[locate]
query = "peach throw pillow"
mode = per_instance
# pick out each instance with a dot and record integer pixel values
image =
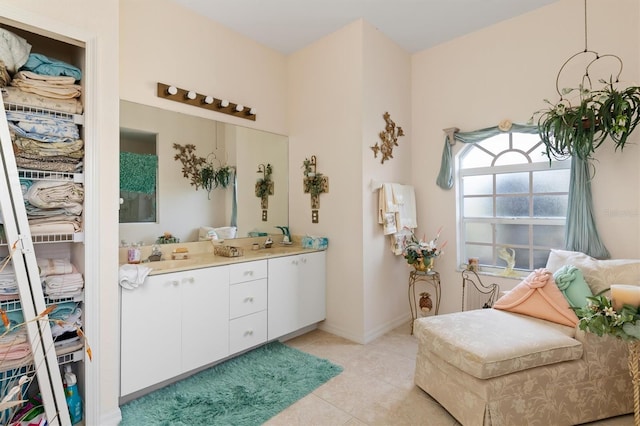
(538, 296)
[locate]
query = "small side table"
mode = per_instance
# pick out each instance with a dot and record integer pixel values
(429, 277)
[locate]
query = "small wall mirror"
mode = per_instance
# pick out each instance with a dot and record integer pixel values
(138, 206)
(179, 208)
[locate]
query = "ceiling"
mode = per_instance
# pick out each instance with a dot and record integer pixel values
(415, 25)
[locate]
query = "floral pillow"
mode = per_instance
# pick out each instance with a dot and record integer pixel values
(599, 274)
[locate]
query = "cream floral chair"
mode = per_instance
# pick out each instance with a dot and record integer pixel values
(494, 367)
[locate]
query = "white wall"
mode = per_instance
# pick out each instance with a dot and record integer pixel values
(325, 115)
(505, 71)
(161, 41)
(386, 83)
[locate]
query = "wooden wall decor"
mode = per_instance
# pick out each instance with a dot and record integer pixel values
(389, 139)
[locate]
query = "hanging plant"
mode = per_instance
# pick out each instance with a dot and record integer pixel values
(199, 171)
(620, 112)
(208, 177)
(568, 130)
(223, 176)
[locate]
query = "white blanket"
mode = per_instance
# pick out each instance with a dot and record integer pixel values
(14, 50)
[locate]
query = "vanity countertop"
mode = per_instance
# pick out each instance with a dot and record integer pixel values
(201, 255)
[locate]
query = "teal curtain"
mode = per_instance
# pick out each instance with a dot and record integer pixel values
(581, 233)
(234, 201)
(138, 172)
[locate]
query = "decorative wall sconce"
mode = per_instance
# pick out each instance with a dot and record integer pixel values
(389, 138)
(315, 184)
(190, 97)
(264, 188)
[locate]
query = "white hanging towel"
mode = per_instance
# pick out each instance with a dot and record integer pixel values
(405, 198)
(387, 209)
(397, 213)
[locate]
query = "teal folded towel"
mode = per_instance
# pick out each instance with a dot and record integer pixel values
(43, 65)
(573, 286)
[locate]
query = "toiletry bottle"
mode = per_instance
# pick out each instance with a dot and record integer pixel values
(133, 254)
(74, 402)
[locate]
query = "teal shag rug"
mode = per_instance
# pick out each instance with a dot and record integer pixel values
(246, 390)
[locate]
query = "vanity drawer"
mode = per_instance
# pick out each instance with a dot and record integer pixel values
(248, 331)
(247, 271)
(247, 298)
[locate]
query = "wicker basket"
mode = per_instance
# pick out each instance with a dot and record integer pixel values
(228, 251)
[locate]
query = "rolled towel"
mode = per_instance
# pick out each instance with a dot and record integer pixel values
(131, 276)
(573, 286)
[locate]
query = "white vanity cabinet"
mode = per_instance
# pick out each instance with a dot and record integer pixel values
(177, 322)
(247, 305)
(297, 295)
(171, 324)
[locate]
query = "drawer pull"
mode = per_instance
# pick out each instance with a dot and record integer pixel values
(248, 333)
(248, 299)
(174, 282)
(188, 280)
(250, 273)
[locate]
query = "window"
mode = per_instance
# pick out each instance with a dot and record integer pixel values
(509, 196)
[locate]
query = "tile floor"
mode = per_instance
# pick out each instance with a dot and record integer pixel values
(375, 388)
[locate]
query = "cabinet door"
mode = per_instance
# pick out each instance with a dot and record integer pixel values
(205, 316)
(282, 296)
(150, 333)
(296, 292)
(311, 288)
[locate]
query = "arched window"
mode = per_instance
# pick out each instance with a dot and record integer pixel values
(509, 196)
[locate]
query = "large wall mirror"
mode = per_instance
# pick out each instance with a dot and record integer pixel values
(177, 207)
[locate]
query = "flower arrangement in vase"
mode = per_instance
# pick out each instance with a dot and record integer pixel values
(421, 253)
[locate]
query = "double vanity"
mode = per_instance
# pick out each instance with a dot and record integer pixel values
(191, 313)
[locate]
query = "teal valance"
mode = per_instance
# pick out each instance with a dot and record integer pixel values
(445, 177)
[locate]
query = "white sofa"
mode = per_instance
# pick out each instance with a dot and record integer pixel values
(493, 367)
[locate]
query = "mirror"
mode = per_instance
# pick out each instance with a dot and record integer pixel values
(181, 209)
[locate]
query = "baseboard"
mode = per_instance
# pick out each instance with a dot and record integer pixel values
(370, 335)
(337, 331)
(112, 418)
(382, 329)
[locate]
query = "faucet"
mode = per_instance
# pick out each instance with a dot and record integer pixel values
(285, 232)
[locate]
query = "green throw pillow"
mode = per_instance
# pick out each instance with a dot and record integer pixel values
(573, 286)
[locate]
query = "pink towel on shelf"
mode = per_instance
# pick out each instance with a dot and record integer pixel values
(538, 296)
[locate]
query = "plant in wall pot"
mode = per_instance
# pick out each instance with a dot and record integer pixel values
(264, 185)
(313, 183)
(568, 130)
